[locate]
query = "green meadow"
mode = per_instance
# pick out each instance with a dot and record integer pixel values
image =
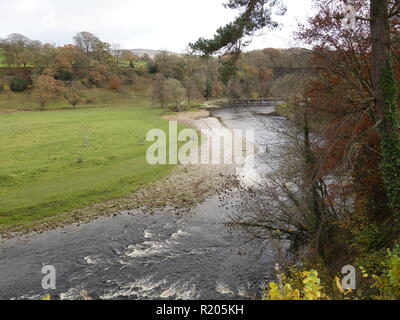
(59, 160)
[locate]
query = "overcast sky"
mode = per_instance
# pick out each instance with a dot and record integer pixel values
(149, 24)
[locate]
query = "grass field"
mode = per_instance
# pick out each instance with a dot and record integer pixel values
(138, 64)
(46, 169)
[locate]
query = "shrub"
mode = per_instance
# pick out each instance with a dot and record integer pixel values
(18, 84)
(7, 90)
(91, 100)
(116, 83)
(152, 68)
(303, 285)
(387, 283)
(63, 75)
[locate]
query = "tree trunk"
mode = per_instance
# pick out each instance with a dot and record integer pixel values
(380, 54)
(314, 220)
(385, 95)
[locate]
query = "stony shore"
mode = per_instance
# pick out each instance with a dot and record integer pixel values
(185, 187)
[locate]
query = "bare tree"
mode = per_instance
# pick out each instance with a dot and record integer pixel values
(116, 52)
(86, 41)
(73, 93)
(193, 92)
(159, 92)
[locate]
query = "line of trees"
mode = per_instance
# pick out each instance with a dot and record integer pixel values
(64, 71)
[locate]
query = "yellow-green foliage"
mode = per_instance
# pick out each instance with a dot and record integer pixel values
(285, 110)
(289, 288)
(388, 284)
(307, 285)
(46, 297)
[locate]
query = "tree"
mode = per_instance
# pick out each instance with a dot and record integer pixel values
(230, 39)
(69, 58)
(345, 105)
(73, 92)
(175, 93)
(116, 52)
(102, 53)
(385, 95)
(234, 88)
(128, 56)
(16, 50)
(42, 55)
(145, 58)
(193, 92)
(168, 92)
(99, 74)
(159, 91)
(86, 41)
(46, 88)
(289, 88)
(169, 65)
(255, 15)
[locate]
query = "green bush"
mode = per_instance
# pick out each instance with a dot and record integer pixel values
(63, 75)
(152, 68)
(18, 84)
(388, 282)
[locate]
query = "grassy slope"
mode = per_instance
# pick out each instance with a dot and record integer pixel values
(1, 58)
(45, 169)
(138, 64)
(100, 98)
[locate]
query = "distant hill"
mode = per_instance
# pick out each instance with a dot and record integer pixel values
(151, 53)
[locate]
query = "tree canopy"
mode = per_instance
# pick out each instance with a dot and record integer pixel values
(254, 15)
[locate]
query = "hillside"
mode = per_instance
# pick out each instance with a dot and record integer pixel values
(150, 52)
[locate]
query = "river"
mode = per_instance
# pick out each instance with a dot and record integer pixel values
(137, 255)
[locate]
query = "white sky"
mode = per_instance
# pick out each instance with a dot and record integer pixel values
(149, 24)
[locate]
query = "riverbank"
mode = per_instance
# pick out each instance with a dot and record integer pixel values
(184, 187)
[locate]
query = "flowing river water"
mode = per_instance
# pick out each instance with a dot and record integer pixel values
(137, 255)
